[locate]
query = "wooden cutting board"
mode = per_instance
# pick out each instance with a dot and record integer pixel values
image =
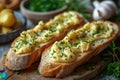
(84, 72)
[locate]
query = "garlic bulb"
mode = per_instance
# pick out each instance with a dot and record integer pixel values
(104, 10)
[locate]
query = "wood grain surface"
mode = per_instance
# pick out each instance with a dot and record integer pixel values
(84, 72)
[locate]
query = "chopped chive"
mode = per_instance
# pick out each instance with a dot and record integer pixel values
(30, 44)
(23, 34)
(46, 35)
(70, 15)
(37, 46)
(54, 57)
(23, 41)
(61, 47)
(64, 54)
(14, 50)
(70, 50)
(83, 40)
(75, 44)
(62, 42)
(108, 29)
(36, 33)
(17, 46)
(53, 51)
(66, 59)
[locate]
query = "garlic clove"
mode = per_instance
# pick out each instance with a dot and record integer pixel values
(113, 5)
(100, 13)
(96, 4)
(112, 8)
(96, 14)
(108, 8)
(104, 10)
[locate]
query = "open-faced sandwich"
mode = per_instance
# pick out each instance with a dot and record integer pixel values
(77, 47)
(27, 48)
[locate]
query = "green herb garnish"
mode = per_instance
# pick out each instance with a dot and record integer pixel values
(37, 46)
(53, 51)
(14, 50)
(64, 55)
(62, 42)
(36, 33)
(83, 40)
(24, 41)
(61, 47)
(75, 44)
(54, 57)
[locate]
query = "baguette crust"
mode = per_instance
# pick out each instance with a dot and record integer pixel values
(23, 61)
(47, 67)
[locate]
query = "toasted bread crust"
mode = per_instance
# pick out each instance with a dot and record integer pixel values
(23, 61)
(59, 70)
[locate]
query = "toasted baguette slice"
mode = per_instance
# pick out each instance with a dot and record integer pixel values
(59, 67)
(19, 58)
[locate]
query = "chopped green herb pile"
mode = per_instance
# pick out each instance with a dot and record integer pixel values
(45, 5)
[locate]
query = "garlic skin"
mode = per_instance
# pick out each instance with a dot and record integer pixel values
(104, 10)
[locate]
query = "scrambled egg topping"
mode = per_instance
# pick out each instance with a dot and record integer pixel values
(31, 39)
(80, 41)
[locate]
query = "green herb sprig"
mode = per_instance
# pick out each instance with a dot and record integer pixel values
(114, 67)
(114, 48)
